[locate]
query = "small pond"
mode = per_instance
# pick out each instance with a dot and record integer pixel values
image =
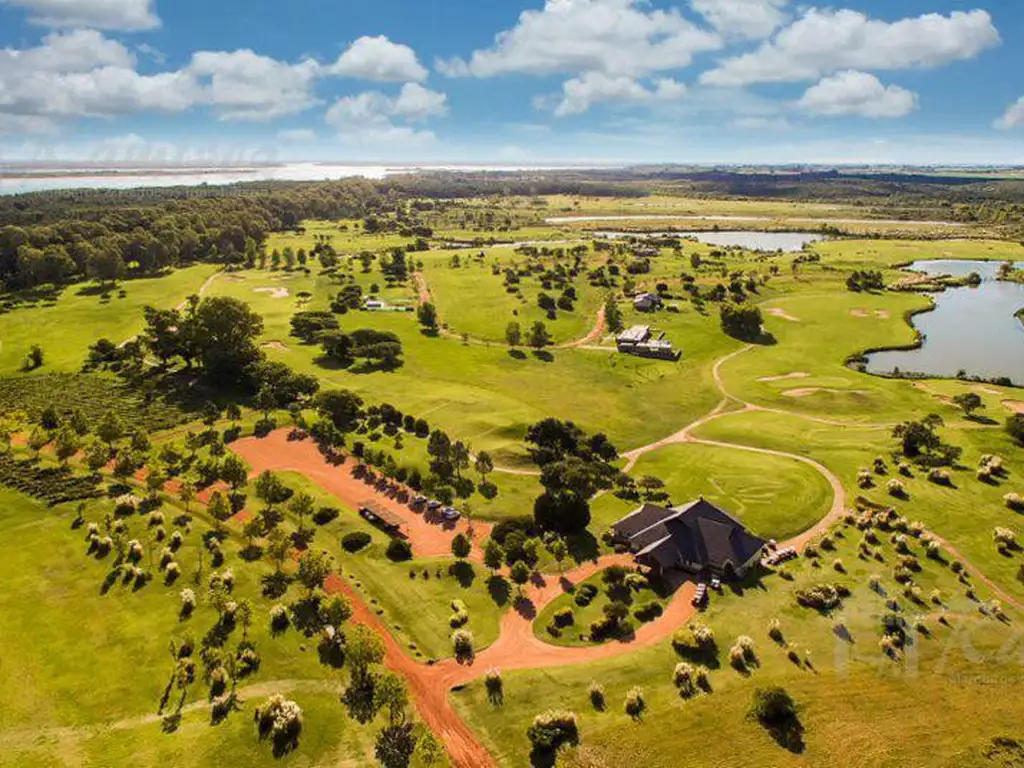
(971, 329)
(755, 241)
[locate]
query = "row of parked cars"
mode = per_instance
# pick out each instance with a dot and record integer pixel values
(779, 556)
(421, 503)
(700, 597)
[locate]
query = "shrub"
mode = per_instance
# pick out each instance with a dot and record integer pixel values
(279, 618)
(279, 720)
(563, 617)
(1005, 536)
(635, 706)
(649, 611)
(551, 730)
(462, 644)
(684, 678)
(774, 709)
(940, 477)
(896, 488)
(775, 630)
(494, 684)
(355, 541)
(228, 579)
(325, 515)
(865, 480)
(171, 572)
(821, 597)
(188, 602)
(399, 550)
(460, 617)
(176, 541)
(1014, 501)
(597, 698)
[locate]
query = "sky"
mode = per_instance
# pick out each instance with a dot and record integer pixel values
(513, 81)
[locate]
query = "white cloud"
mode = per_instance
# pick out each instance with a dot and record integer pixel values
(764, 124)
(1013, 117)
(125, 15)
(369, 118)
(380, 60)
(243, 85)
(620, 38)
(858, 93)
(751, 19)
(297, 135)
(580, 93)
(25, 124)
(824, 41)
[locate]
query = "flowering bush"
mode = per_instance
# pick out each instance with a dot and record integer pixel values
(279, 720)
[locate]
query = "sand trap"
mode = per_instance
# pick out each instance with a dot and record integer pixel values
(786, 376)
(233, 278)
(859, 313)
(882, 314)
(275, 293)
(778, 312)
(987, 391)
(277, 346)
(808, 391)
(1016, 406)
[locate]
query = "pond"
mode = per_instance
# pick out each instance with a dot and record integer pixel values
(752, 240)
(971, 329)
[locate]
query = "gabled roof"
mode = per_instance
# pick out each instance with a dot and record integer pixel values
(698, 532)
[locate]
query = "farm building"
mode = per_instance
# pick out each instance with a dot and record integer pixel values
(697, 537)
(640, 341)
(646, 302)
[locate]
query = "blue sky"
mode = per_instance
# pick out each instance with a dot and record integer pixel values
(516, 81)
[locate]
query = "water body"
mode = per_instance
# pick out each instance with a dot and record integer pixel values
(16, 180)
(971, 329)
(755, 241)
(744, 219)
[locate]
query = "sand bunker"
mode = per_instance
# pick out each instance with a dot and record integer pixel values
(987, 391)
(275, 293)
(1016, 406)
(277, 346)
(882, 314)
(859, 313)
(778, 312)
(785, 376)
(233, 278)
(808, 391)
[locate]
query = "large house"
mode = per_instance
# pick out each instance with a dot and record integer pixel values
(697, 537)
(639, 340)
(646, 301)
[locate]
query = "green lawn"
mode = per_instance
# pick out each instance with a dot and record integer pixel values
(65, 328)
(776, 497)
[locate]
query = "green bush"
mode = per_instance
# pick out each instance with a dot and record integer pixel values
(355, 541)
(399, 551)
(551, 730)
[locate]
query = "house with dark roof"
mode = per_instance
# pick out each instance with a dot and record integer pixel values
(697, 537)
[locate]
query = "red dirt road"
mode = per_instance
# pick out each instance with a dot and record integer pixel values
(279, 454)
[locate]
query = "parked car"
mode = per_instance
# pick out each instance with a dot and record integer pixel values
(451, 514)
(700, 596)
(419, 500)
(434, 505)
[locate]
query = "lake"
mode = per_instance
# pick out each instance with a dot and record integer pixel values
(971, 329)
(752, 240)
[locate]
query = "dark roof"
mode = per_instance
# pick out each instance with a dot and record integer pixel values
(698, 532)
(389, 518)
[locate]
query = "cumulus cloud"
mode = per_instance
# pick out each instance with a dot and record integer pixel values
(380, 60)
(858, 93)
(124, 15)
(620, 38)
(243, 85)
(372, 117)
(751, 19)
(580, 93)
(1013, 117)
(824, 41)
(774, 124)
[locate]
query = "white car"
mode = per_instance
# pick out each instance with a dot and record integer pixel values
(451, 514)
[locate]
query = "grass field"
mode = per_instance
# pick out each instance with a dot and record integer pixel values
(776, 498)
(79, 317)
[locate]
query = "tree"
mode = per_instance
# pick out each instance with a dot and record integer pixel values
(66, 444)
(564, 512)
(494, 555)
(539, 337)
(219, 509)
(105, 265)
(111, 428)
(269, 488)
(969, 402)
(79, 422)
(302, 506)
(187, 493)
(427, 315)
(777, 712)
(337, 611)
(252, 530)
(559, 550)
(612, 314)
(278, 548)
(395, 745)
(484, 465)
(520, 575)
(513, 334)
(97, 454)
(224, 331)
(363, 647)
(342, 407)
(1015, 427)
(265, 402)
(461, 546)
(155, 480)
(314, 568)
(234, 472)
(742, 322)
